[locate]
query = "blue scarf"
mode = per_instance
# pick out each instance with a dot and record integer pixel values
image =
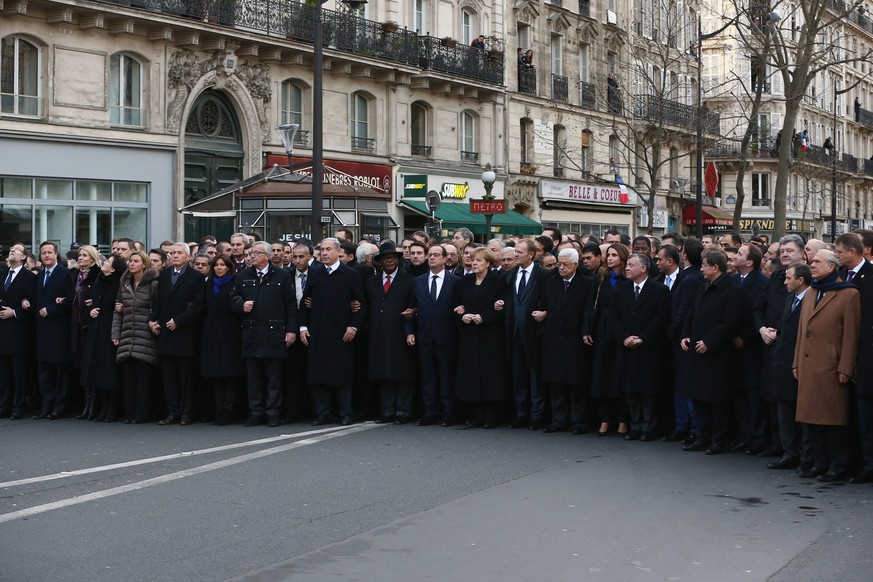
(614, 278)
(830, 283)
(219, 282)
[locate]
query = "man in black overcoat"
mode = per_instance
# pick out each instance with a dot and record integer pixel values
(16, 332)
(559, 312)
(175, 319)
(54, 299)
(392, 361)
(329, 328)
(524, 282)
(708, 336)
(750, 411)
(796, 447)
(295, 394)
(639, 314)
(264, 295)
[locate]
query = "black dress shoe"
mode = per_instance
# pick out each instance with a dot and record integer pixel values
(167, 421)
(677, 436)
(401, 420)
(862, 477)
(812, 473)
(320, 421)
(273, 421)
(447, 422)
(785, 463)
(831, 477)
(756, 450)
(715, 449)
(739, 447)
(519, 423)
(536, 425)
(254, 420)
(603, 433)
(695, 446)
(52, 416)
(689, 439)
(426, 421)
(577, 430)
(346, 421)
(771, 452)
(473, 423)
(15, 416)
(646, 437)
(384, 420)
(40, 416)
(552, 428)
(632, 436)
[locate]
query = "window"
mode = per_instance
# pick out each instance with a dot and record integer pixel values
(526, 137)
(583, 63)
(292, 104)
(419, 16)
(419, 130)
(761, 190)
(125, 87)
(468, 137)
(585, 153)
(19, 78)
(614, 154)
(468, 26)
(523, 31)
(559, 149)
(361, 139)
(557, 55)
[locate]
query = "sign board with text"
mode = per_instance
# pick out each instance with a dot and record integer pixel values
(601, 194)
(484, 207)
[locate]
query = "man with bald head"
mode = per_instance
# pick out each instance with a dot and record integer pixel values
(813, 246)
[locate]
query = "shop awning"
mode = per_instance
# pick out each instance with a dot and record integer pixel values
(457, 215)
(712, 216)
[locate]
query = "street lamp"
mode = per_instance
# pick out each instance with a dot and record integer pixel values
(488, 179)
(318, 116)
(772, 18)
(287, 132)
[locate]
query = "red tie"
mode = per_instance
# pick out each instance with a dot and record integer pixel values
(387, 283)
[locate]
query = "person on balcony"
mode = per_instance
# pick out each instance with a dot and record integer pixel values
(528, 57)
(478, 42)
(857, 109)
(613, 94)
(828, 146)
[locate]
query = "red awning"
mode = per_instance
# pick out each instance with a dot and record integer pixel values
(712, 216)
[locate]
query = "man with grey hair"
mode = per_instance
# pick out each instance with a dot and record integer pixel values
(238, 244)
(461, 238)
(175, 320)
(329, 326)
(559, 311)
(813, 246)
(640, 314)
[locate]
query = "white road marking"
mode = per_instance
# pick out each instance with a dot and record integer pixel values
(77, 472)
(36, 510)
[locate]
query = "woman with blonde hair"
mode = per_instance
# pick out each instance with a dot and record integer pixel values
(84, 274)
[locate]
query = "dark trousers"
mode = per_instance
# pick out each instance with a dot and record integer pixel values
(750, 413)
(224, 395)
(437, 379)
(396, 398)
(864, 406)
(830, 446)
(265, 385)
(793, 436)
(682, 407)
(642, 412)
(137, 378)
(529, 400)
(180, 376)
(15, 374)
(53, 386)
(295, 393)
(568, 405)
(613, 410)
(712, 422)
(323, 395)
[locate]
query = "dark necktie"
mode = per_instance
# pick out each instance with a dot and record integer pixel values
(387, 284)
(433, 289)
(566, 285)
(46, 280)
(522, 284)
(795, 304)
(850, 276)
(260, 277)
(302, 281)
(819, 296)
(174, 278)
(637, 292)
(8, 279)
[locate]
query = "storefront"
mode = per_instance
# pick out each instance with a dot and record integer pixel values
(714, 219)
(587, 208)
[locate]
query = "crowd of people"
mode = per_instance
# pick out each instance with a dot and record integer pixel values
(720, 345)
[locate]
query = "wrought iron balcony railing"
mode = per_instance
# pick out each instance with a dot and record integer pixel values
(761, 147)
(472, 157)
(438, 55)
(527, 80)
(559, 88)
(421, 150)
(868, 167)
(765, 202)
(366, 144)
(864, 117)
(587, 97)
(657, 110)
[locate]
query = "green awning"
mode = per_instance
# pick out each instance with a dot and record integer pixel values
(457, 215)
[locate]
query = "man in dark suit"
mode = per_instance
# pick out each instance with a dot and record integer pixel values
(329, 328)
(524, 282)
(857, 270)
(559, 312)
(433, 330)
(54, 299)
(16, 332)
(264, 295)
(639, 314)
(393, 363)
(175, 319)
(365, 394)
(750, 411)
(295, 393)
(797, 450)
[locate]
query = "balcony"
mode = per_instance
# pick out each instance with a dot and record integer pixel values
(850, 163)
(585, 8)
(559, 88)
(761, 202)
(472, 157)
(658, 110)
(587, 98)
(868, 167)
(759, 148)
(465, 61)
(527, 80)
(558, 172)
(421, 151)
(862, 20)
(301, 138)
(863, 116)
(363, 144)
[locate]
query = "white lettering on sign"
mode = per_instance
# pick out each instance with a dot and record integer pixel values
(454, 190)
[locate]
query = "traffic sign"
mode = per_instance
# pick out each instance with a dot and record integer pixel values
(433, 200)
(488, 207)
(710, 179)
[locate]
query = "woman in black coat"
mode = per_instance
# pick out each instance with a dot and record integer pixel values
(598, 333)
(83, 275)
(221, 345)
(99, 370)
(481, 370)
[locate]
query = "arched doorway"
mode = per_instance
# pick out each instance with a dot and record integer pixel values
(213, 160)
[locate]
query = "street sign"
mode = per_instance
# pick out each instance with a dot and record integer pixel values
(492, 207)
(710, 179)
(433, 200)
(326, 219)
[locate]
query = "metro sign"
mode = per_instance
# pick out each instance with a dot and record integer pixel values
(483, 207)
(710, 179)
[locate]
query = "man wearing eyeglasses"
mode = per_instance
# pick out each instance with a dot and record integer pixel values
(264, 295)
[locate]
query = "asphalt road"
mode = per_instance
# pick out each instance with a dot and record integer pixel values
(87, 501)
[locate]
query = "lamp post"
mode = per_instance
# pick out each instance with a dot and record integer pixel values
(287, 132)
(772, 18)
(488, 179)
